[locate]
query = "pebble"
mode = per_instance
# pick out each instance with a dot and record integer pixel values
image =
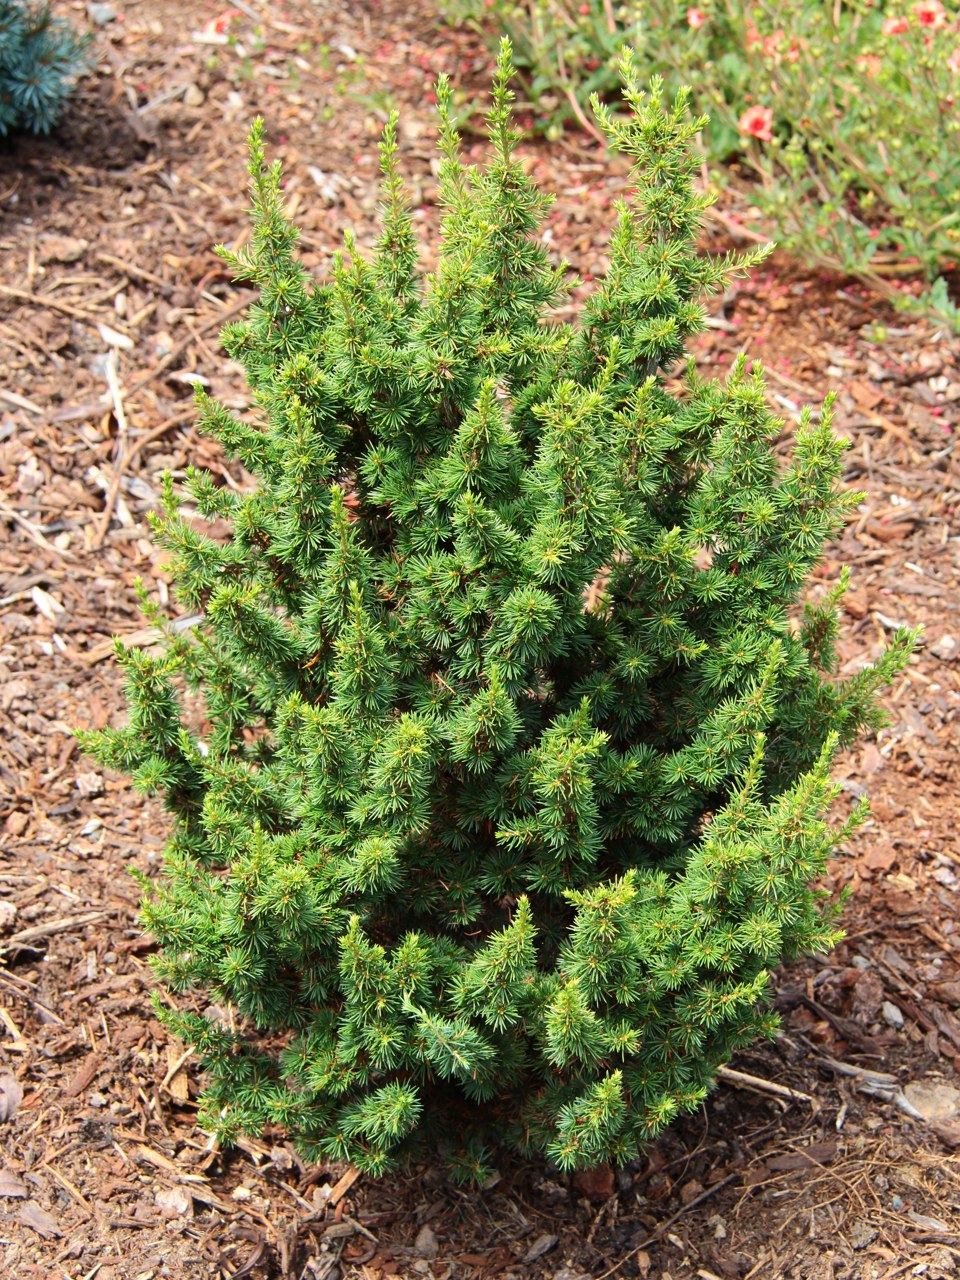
(426, 1243)
(947, 648)
(193, 96)
(892, 1015)
(101, 14)
(935, 1102)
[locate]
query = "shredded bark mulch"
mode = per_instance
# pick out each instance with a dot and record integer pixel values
(832, 1153)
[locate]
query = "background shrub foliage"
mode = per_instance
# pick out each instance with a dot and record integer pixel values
(512, 778)
(845, 115)
(41, 58)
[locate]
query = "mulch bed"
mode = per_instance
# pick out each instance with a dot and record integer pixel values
(110, 301)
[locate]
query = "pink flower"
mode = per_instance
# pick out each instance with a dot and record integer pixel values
(753, 36)
(895, 26)
(585, 10)
(870, 64)
(219, 25)
(757, 122)
(930, 13)
(696, 18)
(953, 62)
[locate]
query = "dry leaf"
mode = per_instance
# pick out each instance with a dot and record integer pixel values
(543, 1244)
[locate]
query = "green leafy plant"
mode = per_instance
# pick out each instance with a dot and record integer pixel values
(843, 115)
(41, 59)
(508, 777)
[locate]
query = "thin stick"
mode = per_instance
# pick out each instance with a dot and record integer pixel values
(134, 272)
(172, 1071)
(26, 996)
(665, 1226)
(53, 926)
(746, 1081)
(878, 1084)
(21, 402)
(123, 465)
(51, 304)
(34, 532)
(178, 348)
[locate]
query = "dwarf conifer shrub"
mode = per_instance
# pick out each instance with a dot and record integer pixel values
(512, 780)
(41, 57)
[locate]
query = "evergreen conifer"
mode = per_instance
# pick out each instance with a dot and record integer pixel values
(512, 784)
(41, 57)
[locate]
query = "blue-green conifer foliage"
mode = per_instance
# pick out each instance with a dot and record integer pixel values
(511, 782)
(41, 58)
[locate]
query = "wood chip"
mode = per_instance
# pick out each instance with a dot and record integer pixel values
(85, 1076)
(42, 1222)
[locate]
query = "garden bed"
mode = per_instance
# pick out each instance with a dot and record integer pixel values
(110, 301)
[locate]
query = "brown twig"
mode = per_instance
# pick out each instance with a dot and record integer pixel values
(745, 1081)
(60, 925)
(51, 304)
(179, 347)
(34, 532)
(123, 466)
(664, 1227)
(134, 272)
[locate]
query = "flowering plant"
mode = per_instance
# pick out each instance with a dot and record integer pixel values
(844, 116)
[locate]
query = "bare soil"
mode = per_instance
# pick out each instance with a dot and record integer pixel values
(110, 301)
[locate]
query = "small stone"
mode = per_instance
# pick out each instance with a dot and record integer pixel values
(89, 784)
(892, 1015)
(240, 1193)
(934, 1102)
(8, 913)
(174, 1202)
(947, 648)
(855, 604)
(16, 823)
(62, 248)
(718, 1226)
(193, 96)
(101, 14)
(426, 1243)
(862, 1235)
